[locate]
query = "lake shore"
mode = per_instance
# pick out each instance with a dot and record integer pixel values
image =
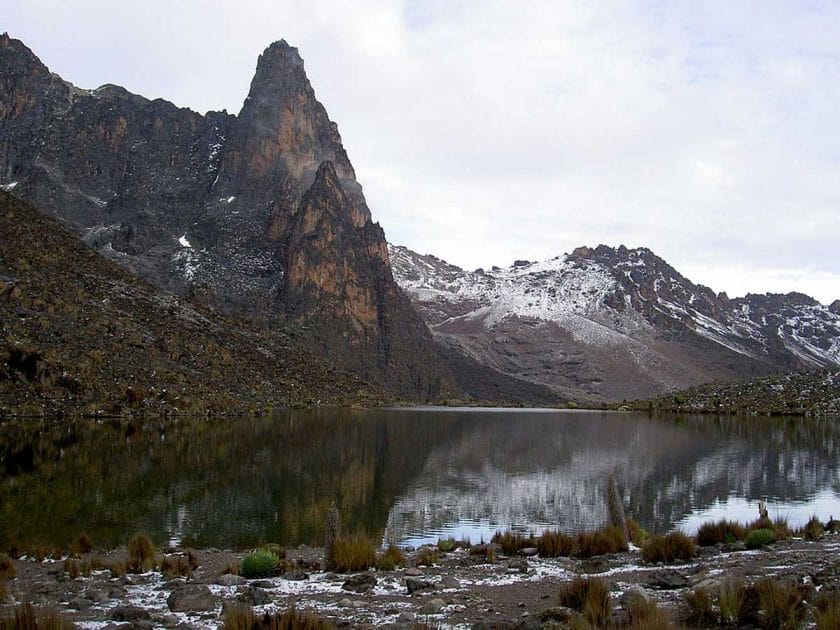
(459, 590)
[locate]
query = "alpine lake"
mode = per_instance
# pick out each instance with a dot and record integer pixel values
(407, 476)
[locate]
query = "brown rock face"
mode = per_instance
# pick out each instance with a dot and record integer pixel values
(259, 214)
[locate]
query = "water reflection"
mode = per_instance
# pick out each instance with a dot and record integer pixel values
(403, 475)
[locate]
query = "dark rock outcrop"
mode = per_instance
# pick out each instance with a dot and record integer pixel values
(259, 214)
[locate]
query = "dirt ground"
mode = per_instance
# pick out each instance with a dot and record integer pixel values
(460, 590)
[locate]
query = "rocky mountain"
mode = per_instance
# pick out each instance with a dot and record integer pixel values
(614, 323)
(258, 214)
(81, 335)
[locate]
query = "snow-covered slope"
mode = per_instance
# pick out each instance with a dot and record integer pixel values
(614, 323)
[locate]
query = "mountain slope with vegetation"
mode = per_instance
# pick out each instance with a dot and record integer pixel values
(81, 335)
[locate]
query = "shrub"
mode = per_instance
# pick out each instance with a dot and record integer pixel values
(721, 532)
(7, 567)
(780, 527)
(833, 526)
(590, 596)
(607, 540)
(701, 610)
(813, 529)
(259, 563)
(668, 548)
(511, 542)
(391, 559)
(827, 614)
(446, 545)
(761, 537)
(555, 544)
(142, 553)
(782, 605)
(353, 553)
(277, 550)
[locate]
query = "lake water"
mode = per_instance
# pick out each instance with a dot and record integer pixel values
(404, 475)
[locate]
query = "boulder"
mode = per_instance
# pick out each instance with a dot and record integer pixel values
(359, 583)
(191, 598)
(414, 585)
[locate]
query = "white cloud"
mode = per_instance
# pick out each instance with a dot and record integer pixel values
(488, 131)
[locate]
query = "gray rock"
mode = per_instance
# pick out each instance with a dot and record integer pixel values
(345, 603)
(297, 575)
(407, 616)
(414, 585)
(359, 583)
(79, 603)
(409, 549)
(129, 613)
(668, 579)
(229, 579)
(413, 572)
(528, 552)
(254, 596)
(594, 565)
(632, 594)
(518, 566)
(191, 598)
(432, 607)
(263, 583)
(447, 581)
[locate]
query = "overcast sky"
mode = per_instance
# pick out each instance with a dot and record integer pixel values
(485, 132)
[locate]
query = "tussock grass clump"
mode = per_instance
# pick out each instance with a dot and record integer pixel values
(427, 557)
(759, 538)
(731, 599)
(554, 544)
(447, 545)
(483, 551)
(511, 542)
(701, 609)
(25, 618)
(668, 548)
(172, 566)
(827, 614)
(604, 541)
(782, 605)
(353, 553)
(192, 558)
(780, 527)
(117, 569)
(590, 596)
(638, 534)
(391, 559)
(723, 531)
(646, 615)
(71, 567)
(241, 617)
(833, 525)
(142, 554)
(7, 567)
(83, 544)
(814, 529)
(259, 563)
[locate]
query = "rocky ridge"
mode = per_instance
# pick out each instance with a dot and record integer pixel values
(614, 323)
(258, 214)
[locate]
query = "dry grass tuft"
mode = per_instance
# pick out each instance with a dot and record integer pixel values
(554, 544)
(391, 559)
(117, 569)
(192, 558)
(511, 542)
(701, 609)
(25, 618)
(83, 544)
(142, 554)
(604, 541)
(668, 548)
(427, 557)
(7, 567)
(172, 566)
(782, 604)
(814, 529)
(590, 596)
(353, 553)
(71, 567)
(241, 617)
(731, 599)
(638, 534)
(827, 614)
(721, 532)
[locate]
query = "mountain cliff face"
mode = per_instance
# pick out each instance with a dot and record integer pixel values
(612, 324)
(259, 214)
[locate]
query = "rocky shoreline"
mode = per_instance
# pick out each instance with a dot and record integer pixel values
(461, 589)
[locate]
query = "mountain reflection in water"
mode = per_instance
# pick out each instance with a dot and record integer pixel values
(402, 474)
